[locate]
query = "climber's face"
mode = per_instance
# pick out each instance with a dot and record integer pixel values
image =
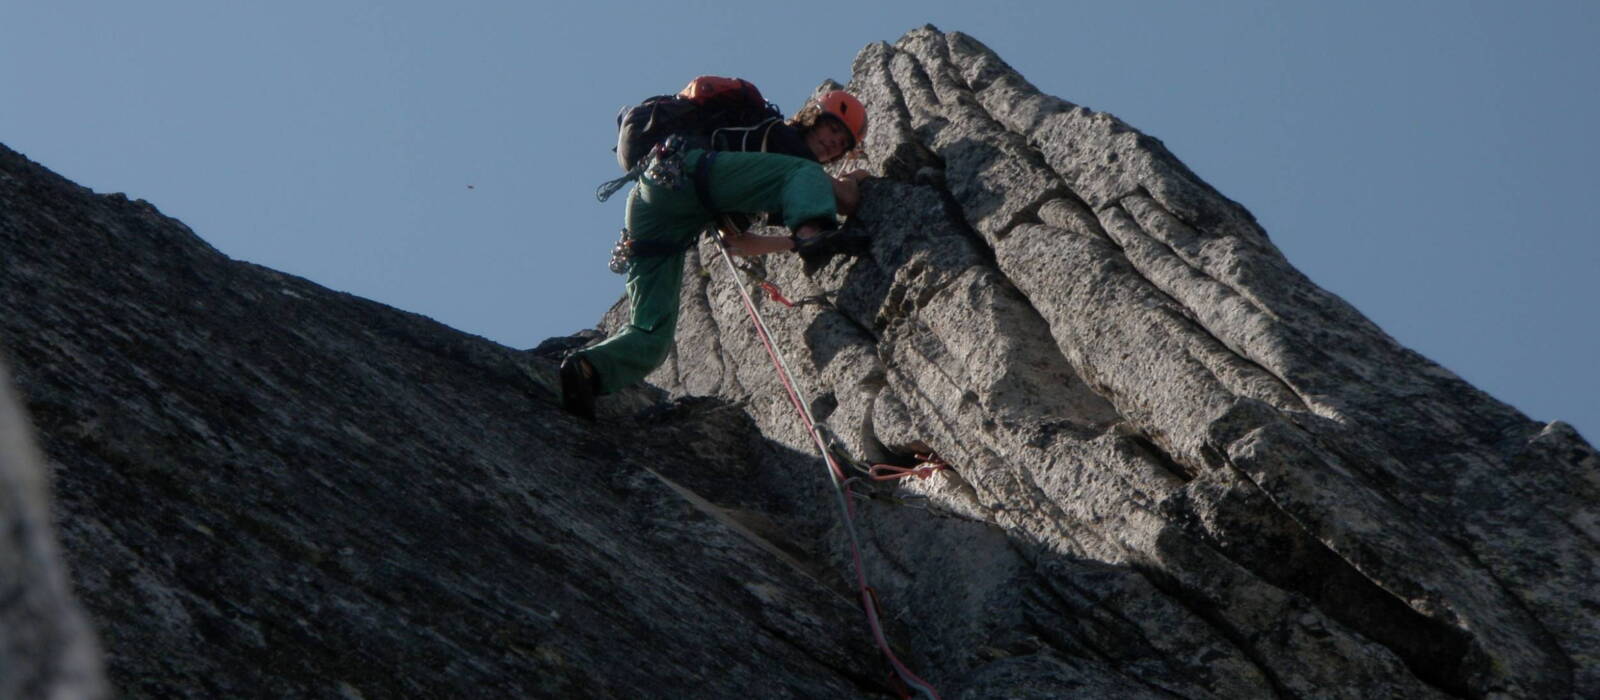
(828, 140)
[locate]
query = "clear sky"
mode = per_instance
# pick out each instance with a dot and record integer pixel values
(1434, 162)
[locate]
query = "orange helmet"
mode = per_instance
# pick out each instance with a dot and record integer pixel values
(847, 109)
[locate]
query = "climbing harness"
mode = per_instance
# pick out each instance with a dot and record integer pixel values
(869, 597)
(628, 248)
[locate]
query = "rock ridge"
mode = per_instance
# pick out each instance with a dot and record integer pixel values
(1128, 372)
(1179, 467)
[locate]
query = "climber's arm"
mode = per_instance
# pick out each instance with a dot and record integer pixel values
(745, 244)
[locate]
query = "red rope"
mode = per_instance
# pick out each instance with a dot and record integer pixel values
(931, 464)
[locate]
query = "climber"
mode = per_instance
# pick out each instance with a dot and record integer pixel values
(769, 168)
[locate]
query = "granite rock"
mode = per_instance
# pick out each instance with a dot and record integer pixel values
(1214, 477)
(1177, 467)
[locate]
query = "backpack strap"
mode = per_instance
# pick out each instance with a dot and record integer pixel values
(766, 135)
(738, 138)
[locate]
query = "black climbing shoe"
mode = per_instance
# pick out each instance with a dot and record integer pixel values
(578, 387)
(814, 244)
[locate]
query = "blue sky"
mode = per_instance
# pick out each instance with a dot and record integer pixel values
(1432, 162)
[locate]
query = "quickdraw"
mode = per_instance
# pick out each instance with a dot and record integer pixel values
(774, 293)
(621, 254)
(772, 290)
(930, 464)
(628, 249)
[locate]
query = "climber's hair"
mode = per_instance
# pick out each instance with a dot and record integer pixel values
(807, 117)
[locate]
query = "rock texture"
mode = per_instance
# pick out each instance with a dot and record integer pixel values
(1213, 478)
(46, 648)
(1180, 469)
(269, 489)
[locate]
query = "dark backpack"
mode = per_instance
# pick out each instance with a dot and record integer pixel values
(706, 104)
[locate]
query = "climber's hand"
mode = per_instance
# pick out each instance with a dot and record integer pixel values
(846, 194)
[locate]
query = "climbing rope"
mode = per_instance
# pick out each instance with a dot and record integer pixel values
(869, 597)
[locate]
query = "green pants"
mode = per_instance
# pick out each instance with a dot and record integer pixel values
(739, 182)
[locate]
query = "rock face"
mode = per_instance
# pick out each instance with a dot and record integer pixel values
(1179, 468)
(1213, 477)
(46, 649)
(268, 489)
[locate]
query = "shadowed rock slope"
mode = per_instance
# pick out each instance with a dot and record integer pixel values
(1180, 469)
(268, 489)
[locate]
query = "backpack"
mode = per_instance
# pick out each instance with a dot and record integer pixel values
(706, 104)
